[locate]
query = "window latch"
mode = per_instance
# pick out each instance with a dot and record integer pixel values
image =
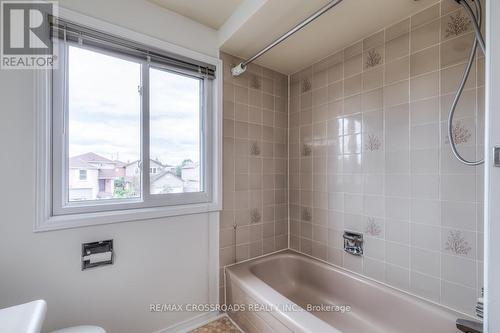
(139, 90)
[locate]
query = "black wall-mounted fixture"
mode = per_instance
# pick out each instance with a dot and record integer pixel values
(97, 254)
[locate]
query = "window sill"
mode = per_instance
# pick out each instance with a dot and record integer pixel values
(59, 222)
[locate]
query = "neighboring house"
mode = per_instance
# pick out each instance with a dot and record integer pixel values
(190, 174)
(161, 177)
(92, 176)
(83, 180)
(155, 167)
(166, 182)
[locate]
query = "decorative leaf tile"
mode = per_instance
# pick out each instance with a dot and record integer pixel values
(306, 85)
(457, 24)
(372, 227)
(457, 244)
(306, 214)
(373, 59)
(461, 134)
(255, 82)
(255, 216)
(373, 143)
(254, 149)
(306, 150)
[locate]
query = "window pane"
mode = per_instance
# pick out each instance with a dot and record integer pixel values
(104, 108)
(174, 133)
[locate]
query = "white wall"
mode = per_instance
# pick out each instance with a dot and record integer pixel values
(146, 17)
(162, 261)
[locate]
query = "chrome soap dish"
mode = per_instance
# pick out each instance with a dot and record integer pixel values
(353, 243)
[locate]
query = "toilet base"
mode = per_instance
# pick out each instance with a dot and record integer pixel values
(81, 329)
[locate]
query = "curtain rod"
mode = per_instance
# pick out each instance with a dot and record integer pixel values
(241, 67)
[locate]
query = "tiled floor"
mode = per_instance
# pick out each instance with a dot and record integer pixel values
(221, 325)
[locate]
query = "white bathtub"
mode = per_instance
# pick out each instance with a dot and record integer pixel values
(284, 283)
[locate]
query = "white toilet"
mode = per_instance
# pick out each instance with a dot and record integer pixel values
(29, 317)
(81, 329)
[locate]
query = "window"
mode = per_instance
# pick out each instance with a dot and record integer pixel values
(104, 122)
(175, 130)
(83, 175)
(119, 111)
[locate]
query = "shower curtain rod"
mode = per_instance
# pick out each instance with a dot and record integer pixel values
(241, 67)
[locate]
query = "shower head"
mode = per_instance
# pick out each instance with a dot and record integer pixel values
(238, 69)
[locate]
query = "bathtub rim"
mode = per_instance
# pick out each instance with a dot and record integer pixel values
(246, 265)
(301, 321)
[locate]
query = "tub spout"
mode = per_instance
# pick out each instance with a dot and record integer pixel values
(469, 326)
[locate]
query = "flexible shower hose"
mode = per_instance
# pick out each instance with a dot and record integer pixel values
(476, 23)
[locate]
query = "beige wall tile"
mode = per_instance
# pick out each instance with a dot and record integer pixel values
(335, 109)
(424, 86)
(397, 30)
(373, 78)
(320, 96)
(240, 112)
(481, 72)
(396, 94)
(353, 50)
(352, 85)
(425, 111)
(424, 61)
(448, 6)
(353, 65)
(451, 77)
(352, 104)
(320, 78)
(255, 114)
(257, 102)
(241, 130)
(455, 50)
(425, 16)
(397, 70)
(255, 98)
(336, 72)
(241, 95)
(268, 85)
(374, 41)
(425, 36)
(397, 47)
(372, 100)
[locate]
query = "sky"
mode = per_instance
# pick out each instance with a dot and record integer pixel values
(105, 110)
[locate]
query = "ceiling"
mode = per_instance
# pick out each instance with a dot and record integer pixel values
(212, 13)
(343, 25)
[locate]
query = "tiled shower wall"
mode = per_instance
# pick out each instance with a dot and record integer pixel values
(369, 153)
(255, 195)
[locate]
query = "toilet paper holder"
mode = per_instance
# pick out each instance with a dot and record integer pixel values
(96, 254)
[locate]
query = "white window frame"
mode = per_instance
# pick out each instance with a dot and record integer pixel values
(52, 214)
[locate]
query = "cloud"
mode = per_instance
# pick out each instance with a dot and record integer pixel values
(105, 109)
